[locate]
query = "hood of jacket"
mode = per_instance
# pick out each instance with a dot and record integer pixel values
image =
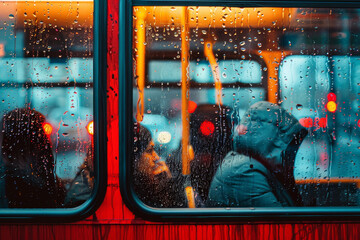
(269, 134)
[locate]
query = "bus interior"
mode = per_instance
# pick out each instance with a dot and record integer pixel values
(302, 59)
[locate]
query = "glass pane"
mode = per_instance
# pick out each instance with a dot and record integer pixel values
(244, 71)
(46, 77)
(246, 107)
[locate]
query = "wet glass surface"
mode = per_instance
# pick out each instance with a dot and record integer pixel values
(46, 103)
(246, 107)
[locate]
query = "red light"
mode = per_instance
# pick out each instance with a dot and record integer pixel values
(192, 106)
(207, 128)
(306, 122)
(176, 105)
(317, 122)
(47, 128)
(331, 97)
(323, 122)
(90, 128)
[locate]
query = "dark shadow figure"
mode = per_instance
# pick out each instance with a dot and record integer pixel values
(30, 180)
(210, 136)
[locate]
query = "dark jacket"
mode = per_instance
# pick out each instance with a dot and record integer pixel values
(259, 173)
(166, 193)
(80, 188)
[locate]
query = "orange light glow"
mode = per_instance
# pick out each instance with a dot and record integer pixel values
(239, 16)
(190, 196)
(82, 11)
(90, 128)
(331, 106)
(47, 128)
(2, 50)
(192, 106)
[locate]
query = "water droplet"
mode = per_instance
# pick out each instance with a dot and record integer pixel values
(299, 106)
(11, 16)
(65, 134)
(242, 43)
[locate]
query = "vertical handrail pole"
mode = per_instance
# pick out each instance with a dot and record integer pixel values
(140, 14)
(208, 52)
(185, 90)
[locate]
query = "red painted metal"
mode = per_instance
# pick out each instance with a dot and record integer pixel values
(114, 221)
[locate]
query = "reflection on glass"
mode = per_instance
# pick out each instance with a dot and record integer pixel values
(248, 107)
(46, 77)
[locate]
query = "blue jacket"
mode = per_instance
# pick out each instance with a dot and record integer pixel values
(259, 173)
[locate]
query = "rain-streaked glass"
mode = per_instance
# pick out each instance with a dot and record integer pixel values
(201, 79)
(46, 69)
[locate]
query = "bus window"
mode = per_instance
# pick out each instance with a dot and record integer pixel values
(46, 79)
(246, 107)
(346, 133)
(223, 81)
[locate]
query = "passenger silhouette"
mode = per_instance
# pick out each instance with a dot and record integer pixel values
(260, 170)
(210, 137)
(30, 180)
(81, 187)
(153, 181)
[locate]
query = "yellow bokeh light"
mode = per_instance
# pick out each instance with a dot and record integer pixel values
(90, 128)
(47, 128)
(331, 106)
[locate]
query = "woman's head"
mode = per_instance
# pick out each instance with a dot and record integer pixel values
(145, 156)
(26, 151)
(151, 176)
(23, 138)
